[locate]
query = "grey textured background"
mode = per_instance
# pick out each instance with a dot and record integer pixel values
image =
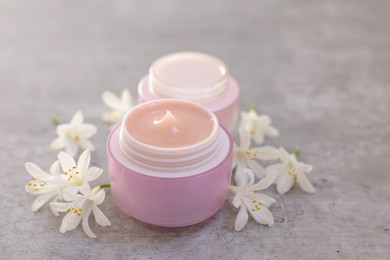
(320, 69)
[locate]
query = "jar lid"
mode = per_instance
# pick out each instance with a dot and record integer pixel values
(188, 75)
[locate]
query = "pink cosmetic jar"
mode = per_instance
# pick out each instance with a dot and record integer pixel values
(169, 163)
(196, 77)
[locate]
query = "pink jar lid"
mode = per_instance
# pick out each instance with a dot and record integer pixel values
(189, 75)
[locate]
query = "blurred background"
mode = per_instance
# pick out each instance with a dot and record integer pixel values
(320, 69)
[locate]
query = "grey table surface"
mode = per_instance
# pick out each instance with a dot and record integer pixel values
(320, 69)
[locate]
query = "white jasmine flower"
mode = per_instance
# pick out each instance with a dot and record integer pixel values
(78, 175)
(79, 208)
(290, 171)
(48, 186)
(257, 126)
(118, 106)
(248, 157)
(74, 135)
(247, 199)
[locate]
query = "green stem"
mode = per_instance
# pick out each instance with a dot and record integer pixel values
(55, 120)
(297, 152)
(252, 107)
(105, 185)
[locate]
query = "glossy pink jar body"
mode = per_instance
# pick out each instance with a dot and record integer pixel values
(169, 202)
(183, 196)
(223, 100)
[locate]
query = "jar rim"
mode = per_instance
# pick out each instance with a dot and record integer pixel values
(156, 157)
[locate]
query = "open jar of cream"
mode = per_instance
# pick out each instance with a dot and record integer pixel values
(196, 77)
(169, 163)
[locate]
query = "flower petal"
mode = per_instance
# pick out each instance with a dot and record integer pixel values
(284, 155)
(112, 101)
(87, 130)
(70, 222)
(244, 119)
(251, 175)
(86, 144)
(262, 184)
(85, 188)
(126, 97)
(258, 137)
(236, 201)
(84, 161)
(241, 219)
(93, 173)
(245, 139)
(100, 218)
(110, 117)
(77, 119)
(41, 200)
(304, 183)
(60, 206)
(55, 168)
(268, 153)
(240, 177)
(35, 171)
(257, 168)
(284, 183)
(71, 147)
(234, 164)
(67, 161)
(57, 143)
(71, 189)
(40, 187)
(276, 170)
(55, 212)
(71, 196)
(98, 198)
(62, 129)
(265, 199)
(271, 131)
(263, 216)
(264, 119)
(86, 212)
(303, 167)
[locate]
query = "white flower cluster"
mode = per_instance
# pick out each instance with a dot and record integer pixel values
(67, 184)
(248, 166)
